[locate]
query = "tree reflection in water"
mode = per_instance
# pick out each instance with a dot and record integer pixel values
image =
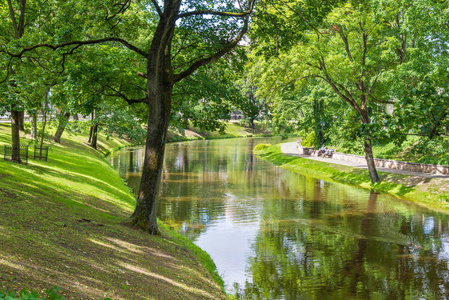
(308, 239)
(314, 261)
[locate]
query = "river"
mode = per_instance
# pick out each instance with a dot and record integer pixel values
(274, 234)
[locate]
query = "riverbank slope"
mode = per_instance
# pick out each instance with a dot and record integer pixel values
(60, 225)
(233, 129)
(431, 192)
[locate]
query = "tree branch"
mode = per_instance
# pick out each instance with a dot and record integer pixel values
(158, 9)
(8, 67)
(216, 13)
(13, 18)
(80, 43)
(348, 97)
(123, 7)
(218, 54)
(123, 96)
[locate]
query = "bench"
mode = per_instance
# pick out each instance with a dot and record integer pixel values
(328, 153)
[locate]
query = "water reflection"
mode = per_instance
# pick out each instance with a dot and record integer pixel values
(278, 235)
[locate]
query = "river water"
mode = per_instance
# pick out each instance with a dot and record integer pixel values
(274, 234)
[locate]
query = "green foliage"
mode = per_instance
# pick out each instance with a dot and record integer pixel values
(424, 110)
(260, 147)
(433, 151)
(351, 50)
(310, 141)
(51, 294)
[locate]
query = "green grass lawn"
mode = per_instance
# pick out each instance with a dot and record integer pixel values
(433, 192)
(413, 149)
(61, 225)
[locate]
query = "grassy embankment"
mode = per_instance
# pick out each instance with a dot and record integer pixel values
(60, 225)
(433, 192)
(234, 129)
(413, 149)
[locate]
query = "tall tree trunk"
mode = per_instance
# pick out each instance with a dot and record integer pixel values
(33, 124)
(75, 117)
(367, 147)
(22, 120)
(91, 129)
(160, 82)
(94, 135)
(44, 123)
(251, 123)
(19, 29)
(63, 120)
(370, 161)
(89, 140)
(160, 87)
(144, 215)
(15, 135)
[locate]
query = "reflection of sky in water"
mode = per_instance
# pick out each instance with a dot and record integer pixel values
(231, 246)
(294, 237)
(429, 225)
(229, 238)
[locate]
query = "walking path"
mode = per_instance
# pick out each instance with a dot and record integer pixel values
(290, 149)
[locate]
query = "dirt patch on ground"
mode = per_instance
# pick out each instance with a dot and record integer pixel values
(409, 181)
(191, 133)
(436, 185)
(7, 194)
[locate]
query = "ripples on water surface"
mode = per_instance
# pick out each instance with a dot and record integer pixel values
(278, 235)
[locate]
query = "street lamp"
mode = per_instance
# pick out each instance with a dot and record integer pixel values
(322, 123)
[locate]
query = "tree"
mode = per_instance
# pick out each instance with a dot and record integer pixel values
(184, 36)
(353, 48)
(250, 105)
(424, 111)
(25, 79)
(18, 29)
(161, 78)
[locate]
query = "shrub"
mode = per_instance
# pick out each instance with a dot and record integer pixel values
(51, 294)
(261, 147)
(310, 141)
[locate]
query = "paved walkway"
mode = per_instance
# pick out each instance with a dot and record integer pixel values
(290, 149)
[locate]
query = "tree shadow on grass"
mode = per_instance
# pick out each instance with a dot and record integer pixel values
(92, 262)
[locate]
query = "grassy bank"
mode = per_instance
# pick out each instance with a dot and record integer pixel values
(234, 129)
(60, 225)
(433, 192)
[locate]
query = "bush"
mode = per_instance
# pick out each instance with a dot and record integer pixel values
(51, 294)
(310, 141)
(260, 147)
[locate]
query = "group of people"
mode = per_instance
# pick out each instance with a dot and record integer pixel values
(325, 151)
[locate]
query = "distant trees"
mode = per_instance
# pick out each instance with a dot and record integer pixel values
(363, 51)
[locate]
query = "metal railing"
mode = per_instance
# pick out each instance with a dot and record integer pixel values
(7, 153)
(40, 153)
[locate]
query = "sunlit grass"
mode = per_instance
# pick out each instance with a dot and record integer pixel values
(431, 192)
(61, 224)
